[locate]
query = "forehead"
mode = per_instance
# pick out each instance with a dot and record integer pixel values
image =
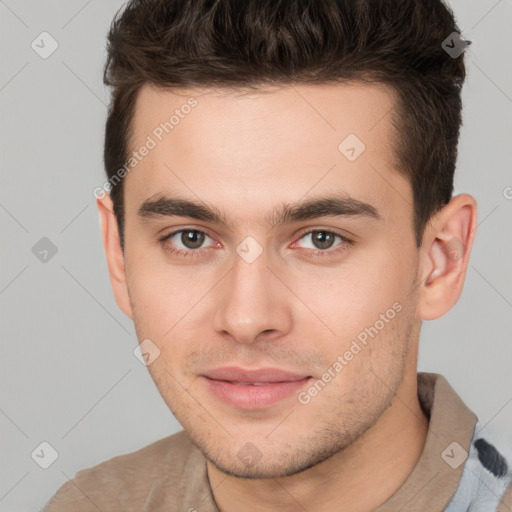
(268, 144)
(288, 112)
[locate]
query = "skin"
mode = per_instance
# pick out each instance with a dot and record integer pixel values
(247, 154)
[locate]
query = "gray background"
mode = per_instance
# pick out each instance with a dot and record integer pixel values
(68, 374)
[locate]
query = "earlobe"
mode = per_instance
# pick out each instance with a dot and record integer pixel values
(445, 256)
(114, 254)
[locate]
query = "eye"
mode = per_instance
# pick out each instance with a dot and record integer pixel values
(321, 241)
(185, 242)
(190, 242)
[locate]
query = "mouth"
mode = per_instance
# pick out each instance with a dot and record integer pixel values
(253, 389)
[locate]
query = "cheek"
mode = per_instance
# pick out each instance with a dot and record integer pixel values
(362, 310)
(351, 297)
(170, 305)
(159, 291)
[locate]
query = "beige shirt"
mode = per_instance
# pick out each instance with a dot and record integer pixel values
(170, 474)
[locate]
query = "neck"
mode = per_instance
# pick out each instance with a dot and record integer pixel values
(358, 479)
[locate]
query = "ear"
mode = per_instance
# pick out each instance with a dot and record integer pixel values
(115, 257)
(444, 259)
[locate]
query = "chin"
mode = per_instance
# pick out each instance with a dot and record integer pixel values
(260, 471)
(250, 463)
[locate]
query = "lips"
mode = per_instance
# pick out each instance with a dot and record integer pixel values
(253, 389)
(259, 376)
(251, 383)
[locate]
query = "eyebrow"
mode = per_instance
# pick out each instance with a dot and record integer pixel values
(332, 205)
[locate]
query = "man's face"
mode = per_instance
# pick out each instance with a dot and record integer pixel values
(283, 306)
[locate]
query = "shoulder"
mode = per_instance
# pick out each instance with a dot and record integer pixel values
(505, 504)
(496, 477)
(486, 482)
(123, 482)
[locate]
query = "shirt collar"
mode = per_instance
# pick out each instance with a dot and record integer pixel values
(433, 481)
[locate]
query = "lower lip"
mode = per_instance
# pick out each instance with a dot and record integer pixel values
(254, 397)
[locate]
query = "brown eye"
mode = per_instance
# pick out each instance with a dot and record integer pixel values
(320, 239)
(323, 239)
(322, 242)
(185, 242)
(192, 239)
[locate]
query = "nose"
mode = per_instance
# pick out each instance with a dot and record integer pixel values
(254, 303)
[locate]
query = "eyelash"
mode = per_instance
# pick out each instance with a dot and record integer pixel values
(194, 253)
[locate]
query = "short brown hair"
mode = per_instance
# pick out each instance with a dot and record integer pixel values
(252, 43)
